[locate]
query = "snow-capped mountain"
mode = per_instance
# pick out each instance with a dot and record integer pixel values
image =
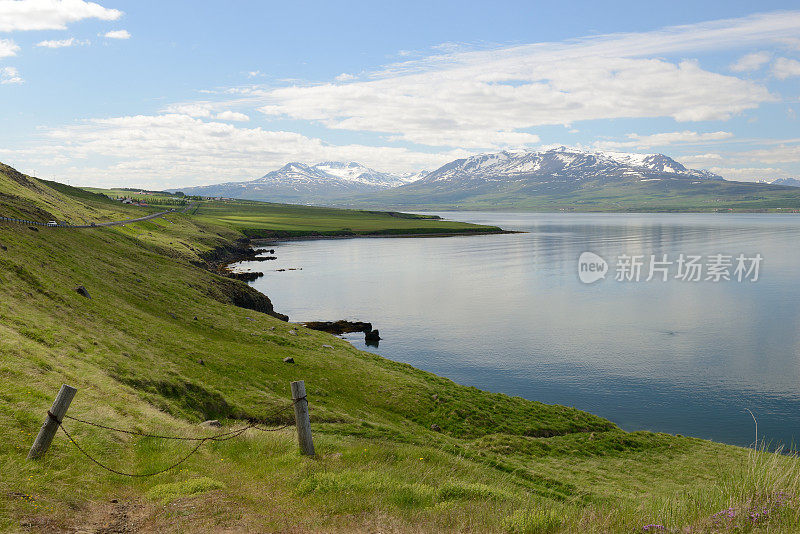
(564, 165)
(355, 172)
(557, 179)
(410, 177)
(308, 184)
(499, 179)
(792, 182)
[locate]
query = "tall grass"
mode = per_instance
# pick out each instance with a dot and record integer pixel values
(757, 493)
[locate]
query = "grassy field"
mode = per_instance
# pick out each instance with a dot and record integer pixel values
(160, 347)
(262, 219)
(269, 220)
(154, 198)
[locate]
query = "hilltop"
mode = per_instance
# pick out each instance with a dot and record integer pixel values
(166, 342)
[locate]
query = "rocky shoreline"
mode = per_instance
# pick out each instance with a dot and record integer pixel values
(371, 336)
(219, 260)
(232, 287)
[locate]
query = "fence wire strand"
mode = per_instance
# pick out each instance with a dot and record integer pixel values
(225, 436)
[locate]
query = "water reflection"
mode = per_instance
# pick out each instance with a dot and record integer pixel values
(508, 313)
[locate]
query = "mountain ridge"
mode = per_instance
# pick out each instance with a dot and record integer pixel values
(556, 178)
(571, 164)
(791, 182)
(298, 182)
(335, 181)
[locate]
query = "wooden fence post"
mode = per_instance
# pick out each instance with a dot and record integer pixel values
(301, 418)
(51, 422)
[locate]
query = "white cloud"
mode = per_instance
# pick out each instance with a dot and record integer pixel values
(254, 73)
(784, 68)
(176, 150)
(345, 77)
(701, 159)
(64, 43)
(781, 152)
(9, 76)
(117, 34)
(489, 98)
(206, 110)
(21, 15)
(195, 109)
(751, 62)
(232, 116)
(665, 139)
(8, 48)
(772, 159)
(750, 174)
(476, 106)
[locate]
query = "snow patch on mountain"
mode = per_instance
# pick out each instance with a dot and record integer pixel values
(564, 164)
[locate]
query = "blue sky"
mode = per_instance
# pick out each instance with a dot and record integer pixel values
(167, 94)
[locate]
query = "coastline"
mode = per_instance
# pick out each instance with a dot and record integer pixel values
(280, 239)
(219, 259)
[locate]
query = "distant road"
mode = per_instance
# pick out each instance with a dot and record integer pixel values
(96, 225)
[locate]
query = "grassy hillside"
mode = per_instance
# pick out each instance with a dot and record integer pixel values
(160, 347)
(24, 197)
(664, 195)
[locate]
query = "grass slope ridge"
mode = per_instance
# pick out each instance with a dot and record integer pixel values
(134, 351)
(24, 197)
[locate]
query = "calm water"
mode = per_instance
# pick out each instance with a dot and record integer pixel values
(508, 313)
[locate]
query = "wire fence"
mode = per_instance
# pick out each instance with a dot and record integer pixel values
(224, 436)
(21, 221)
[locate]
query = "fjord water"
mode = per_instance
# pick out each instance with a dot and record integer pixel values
(508, 313)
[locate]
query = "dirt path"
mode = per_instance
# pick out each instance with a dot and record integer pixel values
(115, 518)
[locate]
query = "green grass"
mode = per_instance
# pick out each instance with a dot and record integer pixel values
(23, 197)
(153, 198)
(166, 493)
(499, 464)
(266, 220)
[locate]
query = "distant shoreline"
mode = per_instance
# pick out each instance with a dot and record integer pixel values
(711, 211)
(279, 239)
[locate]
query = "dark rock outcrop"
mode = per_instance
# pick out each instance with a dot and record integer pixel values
(82, 291)
(245, 277)
(240, 294)
(232, 291)
(339, 327)
(221, 256)
(372, 335)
